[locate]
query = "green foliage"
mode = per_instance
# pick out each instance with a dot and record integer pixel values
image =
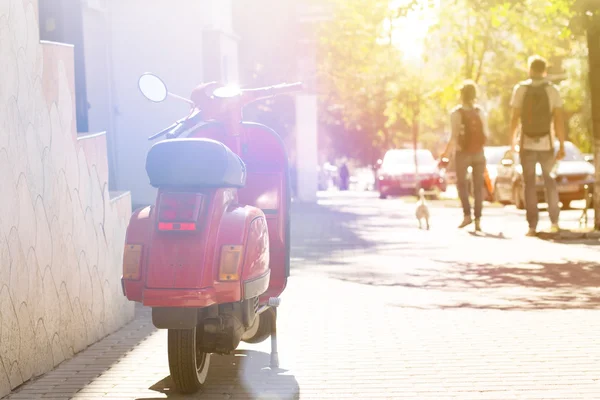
(381, 99)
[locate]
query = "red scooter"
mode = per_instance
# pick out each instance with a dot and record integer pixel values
(212, 256)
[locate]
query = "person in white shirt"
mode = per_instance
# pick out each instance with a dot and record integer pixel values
(469, 134)
(537, 106)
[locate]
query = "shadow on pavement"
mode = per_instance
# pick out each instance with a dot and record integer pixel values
(320, 231)
(572, 237)
(488, 235)
(532, 285)
(324, 235)
(245, 374)
(543, 275)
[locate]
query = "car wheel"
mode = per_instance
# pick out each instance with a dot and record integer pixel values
(382, 195)
(566, 204)
(497, 197)
(518, 199)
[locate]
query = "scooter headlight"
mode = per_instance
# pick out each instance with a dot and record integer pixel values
(229, 266)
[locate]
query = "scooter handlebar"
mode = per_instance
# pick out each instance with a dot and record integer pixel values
(179, 126)
(270, 91)
(164, 131)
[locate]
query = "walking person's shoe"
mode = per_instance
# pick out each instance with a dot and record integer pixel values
(554, 228)
(477, 225)
(466, 221)
(531, 232)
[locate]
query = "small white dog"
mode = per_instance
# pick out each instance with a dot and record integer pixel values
(422, 212)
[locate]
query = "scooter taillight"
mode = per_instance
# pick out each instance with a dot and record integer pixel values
(179, 211)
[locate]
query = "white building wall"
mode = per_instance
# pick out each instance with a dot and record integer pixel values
(162, 38)
(97, 66)
(61, 233)
(230, 59)
(218, 15)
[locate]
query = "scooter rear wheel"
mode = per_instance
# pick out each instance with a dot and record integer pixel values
(265, 321)
(188, 366)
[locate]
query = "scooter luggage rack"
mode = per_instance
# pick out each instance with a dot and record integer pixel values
(272, 304)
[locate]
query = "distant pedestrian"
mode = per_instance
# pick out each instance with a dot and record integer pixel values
(536, 106)
(344, 177)
(469, 134)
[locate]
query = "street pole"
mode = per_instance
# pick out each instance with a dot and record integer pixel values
(415, 129)
(593, 42)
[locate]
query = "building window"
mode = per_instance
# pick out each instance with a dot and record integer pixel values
(62, 21)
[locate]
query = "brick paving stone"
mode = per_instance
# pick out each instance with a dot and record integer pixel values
(377, 309)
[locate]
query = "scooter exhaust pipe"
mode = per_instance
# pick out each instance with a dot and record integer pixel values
(272, 303)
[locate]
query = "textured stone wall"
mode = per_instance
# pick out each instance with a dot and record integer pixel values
(61, 233)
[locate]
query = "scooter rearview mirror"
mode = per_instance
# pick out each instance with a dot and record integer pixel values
(153, 88)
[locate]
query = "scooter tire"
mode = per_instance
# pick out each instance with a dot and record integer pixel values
(264, 328)
(188, 366)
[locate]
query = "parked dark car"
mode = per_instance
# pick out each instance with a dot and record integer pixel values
(571, 174)
(397, 175)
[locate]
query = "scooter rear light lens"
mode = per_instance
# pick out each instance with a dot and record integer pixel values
(179, 211)
(132, 257)
(176, 226)
(168, 215)
(229, 266)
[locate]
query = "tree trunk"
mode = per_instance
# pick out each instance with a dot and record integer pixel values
(593, 41)
(415, 135)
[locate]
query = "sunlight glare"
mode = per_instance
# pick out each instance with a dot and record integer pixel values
(231, 90)
(409, 32)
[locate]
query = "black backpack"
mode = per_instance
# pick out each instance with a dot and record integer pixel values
(536, 116)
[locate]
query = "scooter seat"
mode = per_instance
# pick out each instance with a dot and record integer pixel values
(194, 163)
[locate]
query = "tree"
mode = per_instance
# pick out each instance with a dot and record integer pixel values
(593, 42)
(353, 73)
(489, 41)
(373, 97)
(583, 18)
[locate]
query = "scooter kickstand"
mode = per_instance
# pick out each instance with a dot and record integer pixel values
(274, 303)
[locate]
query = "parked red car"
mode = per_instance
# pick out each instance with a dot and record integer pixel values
(397, 173)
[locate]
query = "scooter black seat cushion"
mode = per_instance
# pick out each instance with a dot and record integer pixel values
(194, 163)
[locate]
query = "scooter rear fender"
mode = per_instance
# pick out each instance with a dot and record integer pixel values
(137, 239)
(241, 227)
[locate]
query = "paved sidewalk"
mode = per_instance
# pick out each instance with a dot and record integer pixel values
(376, 308)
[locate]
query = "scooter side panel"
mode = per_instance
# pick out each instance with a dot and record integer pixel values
(138, 232)
(241, 226)
(268, 188)
(255, 274)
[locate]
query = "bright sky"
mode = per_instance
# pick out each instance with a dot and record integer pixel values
(410, 31)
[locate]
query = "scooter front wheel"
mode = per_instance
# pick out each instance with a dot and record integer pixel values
(188, 366)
